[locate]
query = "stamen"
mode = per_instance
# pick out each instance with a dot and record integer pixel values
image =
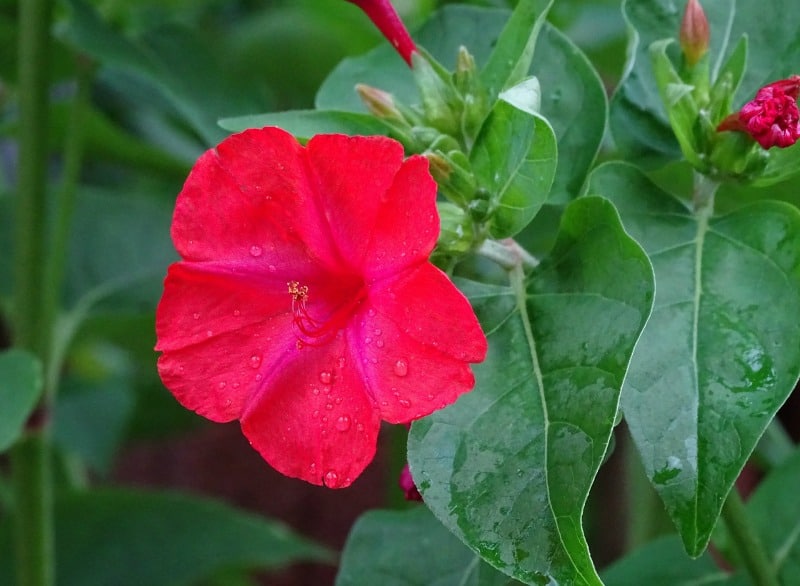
(312, 331)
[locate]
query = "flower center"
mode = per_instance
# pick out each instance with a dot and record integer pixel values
(315, 331)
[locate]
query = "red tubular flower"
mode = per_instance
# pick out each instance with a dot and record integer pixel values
(305, 305)
(384, 16)
(772, 117)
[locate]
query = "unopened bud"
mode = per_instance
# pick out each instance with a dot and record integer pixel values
(456, 234)
(440, 101)
(452, 175)
(384, 16)
(694, 32)
(378, 102)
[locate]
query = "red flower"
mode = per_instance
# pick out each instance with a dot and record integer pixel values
(772, 117)
(384, 16)
(305, 305)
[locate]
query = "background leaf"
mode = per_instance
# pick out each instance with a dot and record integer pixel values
(574, 105)
(719, 355)
(306, 123)
(20, 387)
(509, 466)
(137, 538)
(397, 548)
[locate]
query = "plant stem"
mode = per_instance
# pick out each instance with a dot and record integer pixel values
(746, 541)
(33, 501)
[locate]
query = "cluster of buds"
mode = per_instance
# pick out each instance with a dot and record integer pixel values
(718, 141)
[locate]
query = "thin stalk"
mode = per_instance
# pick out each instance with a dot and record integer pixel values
(746, 541)
(32, 484)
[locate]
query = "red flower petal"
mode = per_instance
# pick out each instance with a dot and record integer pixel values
(313, 419)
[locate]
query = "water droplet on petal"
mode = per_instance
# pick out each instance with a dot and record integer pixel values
(360, 427)
(371, 313)
(367, 340)
(331, 479)
(325, 377)
(196, 315)
(338, 400)
(315, 391)
(341, 361)
(255, 361)
(379, 343)
(235, 385)
(209, 333)
(378, 331)
(271, 268)
(404, 403)
(259, 377)
(222, 385)
(237, 313)
(329, 406)
(401, 368)
(343, 423)
(255, 251)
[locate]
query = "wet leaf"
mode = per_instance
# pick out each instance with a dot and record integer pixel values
(20, 387)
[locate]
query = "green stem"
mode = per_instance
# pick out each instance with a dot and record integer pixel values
(746, 541)
(508, 254)
(32, 485)
(703, 197)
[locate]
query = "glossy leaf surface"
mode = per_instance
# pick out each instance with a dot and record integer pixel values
(719, 354)
(574, 105)
(396, 548)
(509, 466)
(514, 160)
(20, 387)
(137, 538)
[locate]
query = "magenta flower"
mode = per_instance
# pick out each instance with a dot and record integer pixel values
(305, 305)
(772, 117)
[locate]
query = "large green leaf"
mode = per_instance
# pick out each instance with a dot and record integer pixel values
(574, 104)
(137, 538)
(397, 548)
(20, 387)
(719, 354)
(509, 466)
(178, 65)
(514, 160)
(638, 119)
(664, 561)
(775, 513)
(306, 123)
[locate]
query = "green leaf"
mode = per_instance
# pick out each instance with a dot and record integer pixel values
(638, 120)
(509, 466)
(306, 123)
(511, 58)
(774, 510)
(397, 548)
(178, 65)
(514, 159)
(21, 384)
(719, 355)
(664, 561)
(574, 105)
(138, 538)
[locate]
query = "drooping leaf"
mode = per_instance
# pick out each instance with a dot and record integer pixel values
(21, 383)
(138, 538)
(509, 466)
(664, 561)
(514, 160)
(574, 105)
(397, 548)
(638, 119)
(306, 123)
(719, 355)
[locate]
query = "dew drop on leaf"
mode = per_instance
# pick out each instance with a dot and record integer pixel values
(401, 368)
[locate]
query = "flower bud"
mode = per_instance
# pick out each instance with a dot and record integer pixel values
(457, 234)
(772, 118)
(378, 102)
(441, 103)
(694, 33)
(452, 174)
(384, 16)
(406, 483)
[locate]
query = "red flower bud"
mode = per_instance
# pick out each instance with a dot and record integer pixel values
(772, 117)
(407, 485)
(694, 33)
(384, 16)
